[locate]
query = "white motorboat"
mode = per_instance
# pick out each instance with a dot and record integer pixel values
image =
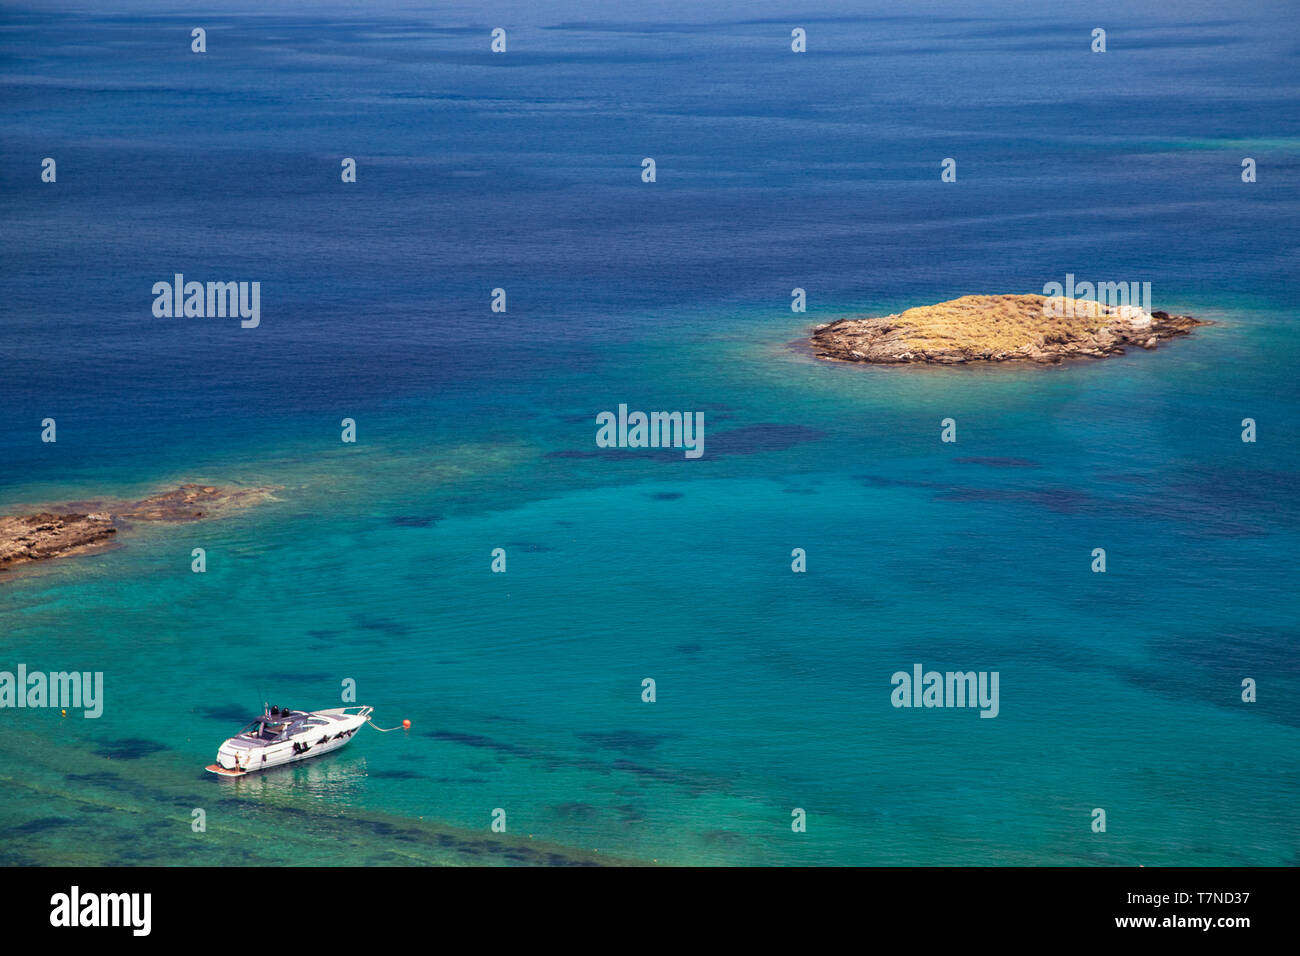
(282, 736)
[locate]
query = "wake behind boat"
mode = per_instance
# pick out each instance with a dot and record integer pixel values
(282, 736)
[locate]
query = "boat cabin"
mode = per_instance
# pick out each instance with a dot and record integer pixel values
(281, 725)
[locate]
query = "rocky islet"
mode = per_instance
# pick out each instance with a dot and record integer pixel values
(998, 328)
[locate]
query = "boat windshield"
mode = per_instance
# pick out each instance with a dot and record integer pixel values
(263, 730)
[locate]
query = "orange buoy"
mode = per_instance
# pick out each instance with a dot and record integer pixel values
(406, 725)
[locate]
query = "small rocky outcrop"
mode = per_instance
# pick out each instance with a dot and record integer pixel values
(50, 535)
(87, 526)
(998, 328)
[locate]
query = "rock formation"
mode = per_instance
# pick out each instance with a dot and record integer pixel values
(998, 328)
(84, 527)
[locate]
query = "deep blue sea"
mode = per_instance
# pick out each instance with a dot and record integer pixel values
(522, 170)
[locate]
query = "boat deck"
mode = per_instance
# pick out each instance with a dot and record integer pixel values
(217, 768)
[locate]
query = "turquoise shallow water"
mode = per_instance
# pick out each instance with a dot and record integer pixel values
(1118, 690)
